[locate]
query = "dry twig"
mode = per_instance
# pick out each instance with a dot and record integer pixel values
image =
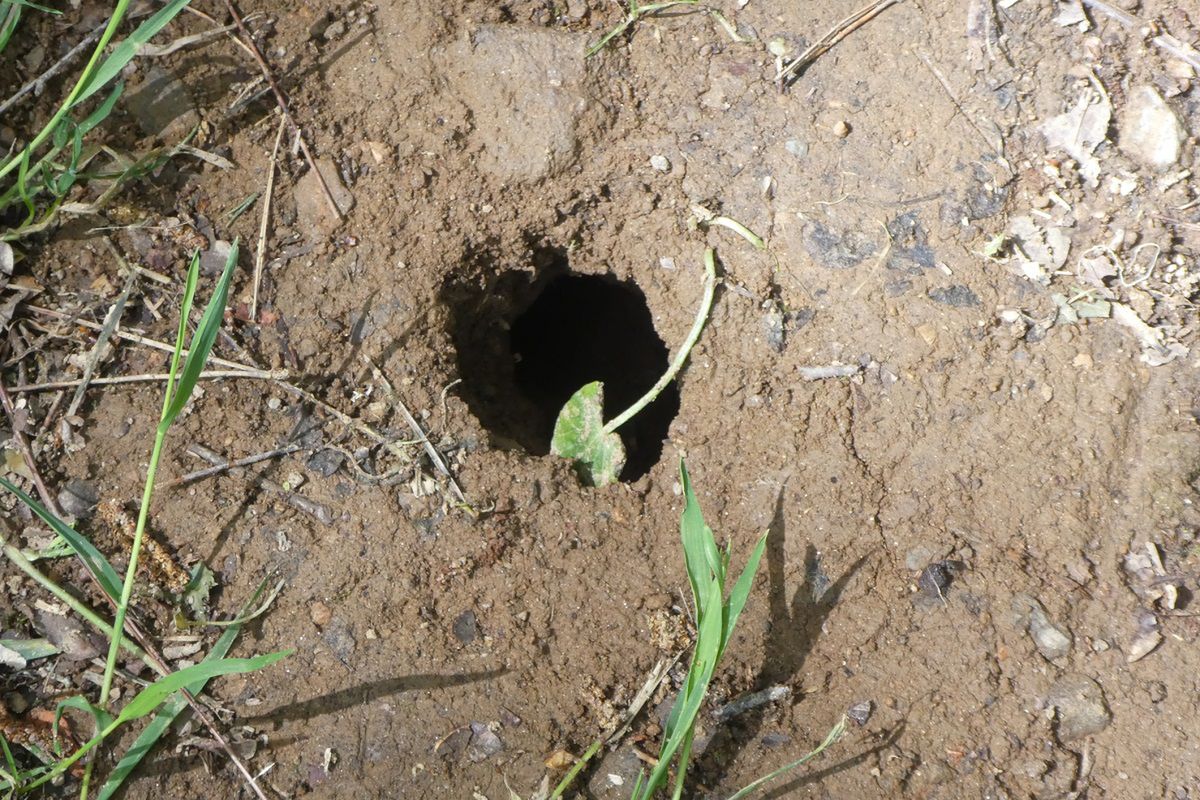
(827, 42)
(259, 256)
(281, 100)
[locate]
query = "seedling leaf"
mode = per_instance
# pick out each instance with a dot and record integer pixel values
(124, 52)
(172, 708)
(579, 434)
(202, 341)
(153, 695)
(96, 563)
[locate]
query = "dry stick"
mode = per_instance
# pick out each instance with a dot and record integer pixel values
(27, 454)
(430, 450)
(110, 325)
(40, 81)
(840, 31)
(241, 462)
(131, 627)
(1179, 49)
(132, 337)
(281, 99)
(318, 511)
(998, 148)
(266, 215)
(350, 422)
(207, 375)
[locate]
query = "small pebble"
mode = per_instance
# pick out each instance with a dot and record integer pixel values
(79, 498)
(1079, 707)
(841, 129)
(660, 163)
(320, 614)
(860, 712)
(465, 627)
(936, 578)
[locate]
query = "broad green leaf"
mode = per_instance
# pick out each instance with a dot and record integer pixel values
(579, 435)
(153, 695)
(172, 708)
(202, 341)
(92, 558)
(124, 52)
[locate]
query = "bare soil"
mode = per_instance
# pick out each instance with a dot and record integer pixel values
(484, 164)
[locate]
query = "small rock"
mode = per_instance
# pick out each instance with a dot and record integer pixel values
(1080, 707)
(465, 627)
(1146, 637)
(660, 163)
(320, 614)
(162, 106)
(79, 498)
(841, 129)
(325, 462)
(860, 712)
(212, 260)
(796, 147)
(920, 555)
(73, 641)
(936, 578)
(312, 207)
(1149, 131)
(484, 743)
(335, 30)
(958, 296)
(1051, 641)
(339, 639)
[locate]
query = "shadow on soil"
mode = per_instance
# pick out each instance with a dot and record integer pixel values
(368, 692)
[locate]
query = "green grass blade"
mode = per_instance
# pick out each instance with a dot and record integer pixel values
(102, 111)
(150, 698)
(741, 591)
(124, 52)
(92, 558)
(12, 16)
(30, 649)
(202, 341)
(173, 707)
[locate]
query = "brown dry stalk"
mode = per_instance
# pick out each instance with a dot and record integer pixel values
(281, 100)
(840, 31)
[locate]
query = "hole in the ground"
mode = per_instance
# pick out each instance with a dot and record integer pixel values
(524, 349)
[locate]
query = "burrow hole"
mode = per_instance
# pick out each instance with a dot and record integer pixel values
(527, 342)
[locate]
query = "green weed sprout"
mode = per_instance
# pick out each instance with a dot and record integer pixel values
(707, 568)
(47, 173)
(580, 432)
(636, 12)
(166, 690)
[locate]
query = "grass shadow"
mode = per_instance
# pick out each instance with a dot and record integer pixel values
(367, 692)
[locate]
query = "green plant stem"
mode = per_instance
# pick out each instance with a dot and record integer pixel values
(68, 762)
(25, 565)
(710, 283)
(84, 78)
(571, 775)
(685, 756)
